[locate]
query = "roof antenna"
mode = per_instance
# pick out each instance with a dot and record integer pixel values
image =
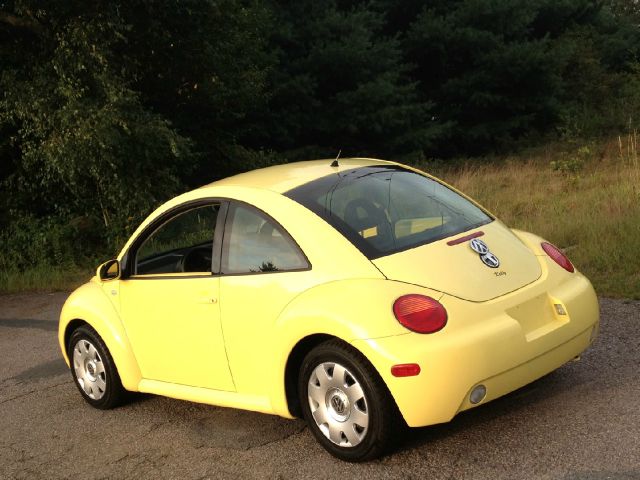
(335, 162)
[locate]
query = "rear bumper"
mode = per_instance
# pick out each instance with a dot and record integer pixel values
(535, 368)
(502, 344)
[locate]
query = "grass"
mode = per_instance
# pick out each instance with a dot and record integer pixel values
(583, 198)
(44, 279)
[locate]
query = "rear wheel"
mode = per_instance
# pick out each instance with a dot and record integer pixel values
(93, 369)
(345, 402)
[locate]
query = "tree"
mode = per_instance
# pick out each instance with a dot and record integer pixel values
(340, 84)
(109, 108)
(499, 70)
(490, 69)
(627, 9)
(203, 65)
(80, 130)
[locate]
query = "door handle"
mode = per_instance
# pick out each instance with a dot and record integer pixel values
(208, 300)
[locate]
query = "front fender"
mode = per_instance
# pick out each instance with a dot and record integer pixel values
(347, 309)
(90, 304)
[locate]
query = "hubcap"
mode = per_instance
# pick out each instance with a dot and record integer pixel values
(338, 404)
(89, 369)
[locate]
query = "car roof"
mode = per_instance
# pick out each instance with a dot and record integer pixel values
(282, 178)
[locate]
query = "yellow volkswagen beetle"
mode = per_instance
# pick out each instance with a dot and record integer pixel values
(360, 294)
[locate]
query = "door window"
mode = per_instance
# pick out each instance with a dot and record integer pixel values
(182, 244)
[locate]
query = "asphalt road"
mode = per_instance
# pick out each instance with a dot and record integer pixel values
(580, 422)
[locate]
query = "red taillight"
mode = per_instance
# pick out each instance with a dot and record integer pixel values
(556, 254)
(419, 313)
(405, 370)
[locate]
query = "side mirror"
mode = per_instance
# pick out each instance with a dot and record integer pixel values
(109, 270)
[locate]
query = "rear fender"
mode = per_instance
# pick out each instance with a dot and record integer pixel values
(345, 309)
(534, 242)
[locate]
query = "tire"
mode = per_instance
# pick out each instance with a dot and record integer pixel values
(345, 402)
(93, 369)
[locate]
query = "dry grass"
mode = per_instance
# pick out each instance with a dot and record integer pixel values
(587, 201)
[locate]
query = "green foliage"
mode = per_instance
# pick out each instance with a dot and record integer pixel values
(48, 241)
(203, 65)
(500, 70)
(572, 163)
(107, 109)
(341, 84)
(628, 9)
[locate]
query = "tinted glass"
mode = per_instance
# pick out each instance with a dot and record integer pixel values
(384, 210)
(182, 244)
(254, 243)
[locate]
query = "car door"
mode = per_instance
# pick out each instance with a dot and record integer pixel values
(169, 298)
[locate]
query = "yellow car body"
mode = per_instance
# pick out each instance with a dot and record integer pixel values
(238, 340)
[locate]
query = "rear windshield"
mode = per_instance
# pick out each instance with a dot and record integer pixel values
(387, 209)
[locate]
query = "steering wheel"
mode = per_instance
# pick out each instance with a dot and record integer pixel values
(198, 259)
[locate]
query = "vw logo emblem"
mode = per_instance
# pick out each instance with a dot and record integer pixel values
(488, 258)
(478, 246)
(338, 405)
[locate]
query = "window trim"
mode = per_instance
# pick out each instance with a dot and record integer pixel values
(224, 257)
(129, 258)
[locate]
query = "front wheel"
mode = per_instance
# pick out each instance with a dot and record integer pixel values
(346, 403)
(94, 371)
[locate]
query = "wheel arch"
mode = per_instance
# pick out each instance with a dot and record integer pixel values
(346, 310)
(72, 326)
(294, 363)
(292, 369)
(388, 420)
(88, 305)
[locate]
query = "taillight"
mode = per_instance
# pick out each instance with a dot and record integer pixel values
(419, 313)
(556, 254)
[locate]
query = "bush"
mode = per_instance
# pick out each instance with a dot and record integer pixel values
(49, 241)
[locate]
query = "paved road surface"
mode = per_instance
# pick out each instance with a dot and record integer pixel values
(580, 422)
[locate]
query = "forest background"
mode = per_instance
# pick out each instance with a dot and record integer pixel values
(109, 108)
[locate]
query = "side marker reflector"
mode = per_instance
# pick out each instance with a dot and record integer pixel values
(405, 370)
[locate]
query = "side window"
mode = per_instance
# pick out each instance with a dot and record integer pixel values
(182, 244)
(254, 243)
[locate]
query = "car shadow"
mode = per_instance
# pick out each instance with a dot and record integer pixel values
(52, 368)
(137, 398)
(555, 383)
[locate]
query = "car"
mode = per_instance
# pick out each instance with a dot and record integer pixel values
(362, 295)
